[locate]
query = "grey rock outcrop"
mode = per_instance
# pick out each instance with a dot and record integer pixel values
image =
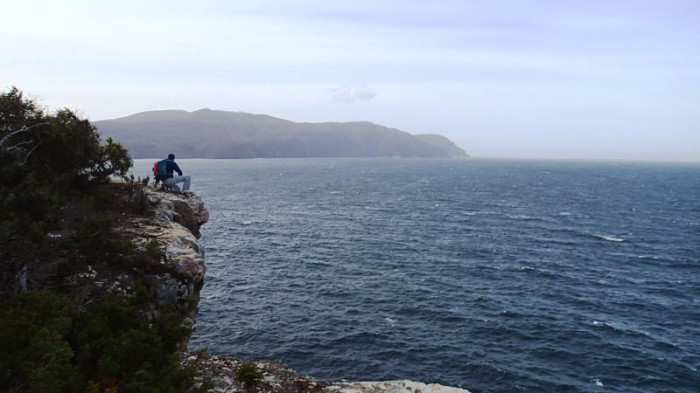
(173, 232)
(220, 373)
(401, 386)
(186, 209)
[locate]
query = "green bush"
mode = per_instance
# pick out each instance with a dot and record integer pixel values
(57, 214)
(34, 353)
(248, 375)
(49, 347)
(48, 162)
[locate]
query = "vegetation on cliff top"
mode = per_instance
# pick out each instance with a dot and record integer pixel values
(57, 211)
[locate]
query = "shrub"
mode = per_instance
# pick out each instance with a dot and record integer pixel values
(34, 352)
(44, 159)
(48, 347)
(248, 375)
(56, 217)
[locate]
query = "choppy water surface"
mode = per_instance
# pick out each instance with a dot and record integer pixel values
(495, 276)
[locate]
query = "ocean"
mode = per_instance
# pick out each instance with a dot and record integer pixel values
(489, 275)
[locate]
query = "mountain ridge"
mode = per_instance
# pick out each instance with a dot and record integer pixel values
(207, 133)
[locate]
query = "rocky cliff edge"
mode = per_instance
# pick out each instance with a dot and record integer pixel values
(174, 227)
(173, 230)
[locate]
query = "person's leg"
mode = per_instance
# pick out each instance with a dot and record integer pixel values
(187, 180)
(172, 183)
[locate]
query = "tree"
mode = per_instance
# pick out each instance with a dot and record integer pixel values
(37, 146)
(16, 112)
(45, 159)
(112, 160)
(56, 219)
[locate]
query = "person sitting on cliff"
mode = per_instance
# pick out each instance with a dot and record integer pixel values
(171, 180)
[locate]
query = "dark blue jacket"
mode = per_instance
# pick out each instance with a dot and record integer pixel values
(171, 166)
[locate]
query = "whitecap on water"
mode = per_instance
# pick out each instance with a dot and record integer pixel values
(611, 238)
(521, 217)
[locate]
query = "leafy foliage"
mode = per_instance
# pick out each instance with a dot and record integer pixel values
(45, 159)
(34, 353)
(248, 375)
(112, 160)
(50, 347)
(57, 212)
(45, 147)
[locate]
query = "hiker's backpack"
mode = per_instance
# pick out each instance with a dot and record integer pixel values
(160, 171)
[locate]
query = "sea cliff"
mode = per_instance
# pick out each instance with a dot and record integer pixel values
(174, 230)
(174, 227)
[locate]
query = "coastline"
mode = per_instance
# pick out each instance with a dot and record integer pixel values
(175, 226)
(219, 372)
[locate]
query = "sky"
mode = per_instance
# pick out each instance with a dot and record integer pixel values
(533, 79)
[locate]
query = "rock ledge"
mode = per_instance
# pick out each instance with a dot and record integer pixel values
(219, 371)
(173, 230)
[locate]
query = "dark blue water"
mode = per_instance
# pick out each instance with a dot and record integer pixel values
(495, 276)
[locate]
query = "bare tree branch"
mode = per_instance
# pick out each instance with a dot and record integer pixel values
(17, 145)
(10, 135)
(28, 154)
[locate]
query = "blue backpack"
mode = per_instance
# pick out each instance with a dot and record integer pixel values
(160, 170)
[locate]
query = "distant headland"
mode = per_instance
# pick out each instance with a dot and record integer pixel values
(207, 133)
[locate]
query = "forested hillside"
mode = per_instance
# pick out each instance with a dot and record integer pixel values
(219, 134)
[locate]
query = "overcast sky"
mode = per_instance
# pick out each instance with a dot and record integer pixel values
(599, 79)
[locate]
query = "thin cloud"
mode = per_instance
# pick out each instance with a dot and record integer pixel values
(348, 94)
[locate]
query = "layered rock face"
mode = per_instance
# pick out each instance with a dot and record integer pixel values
(173, 231)
(186, 209)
